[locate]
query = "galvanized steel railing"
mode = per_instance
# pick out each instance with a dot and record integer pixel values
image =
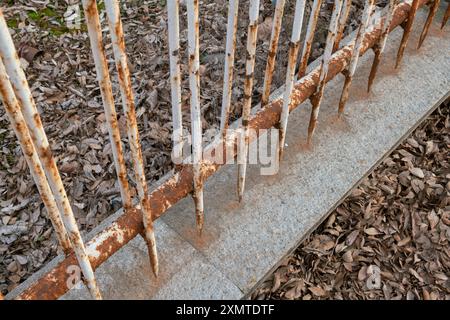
(25, 120)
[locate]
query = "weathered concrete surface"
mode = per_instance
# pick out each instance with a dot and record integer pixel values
(184, 273)
(242, 242)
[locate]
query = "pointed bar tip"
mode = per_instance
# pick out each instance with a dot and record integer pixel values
(426, 27)
(240, 193)
(154, 263)
(373, 70)
(446, 16)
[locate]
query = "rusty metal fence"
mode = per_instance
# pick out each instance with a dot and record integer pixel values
(188, 176)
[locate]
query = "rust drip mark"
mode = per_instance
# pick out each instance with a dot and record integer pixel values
(433, 9)
(91, 9)
(233, 10)
(290, 74)
(149, 236)
(350, 71)
(37, 121)
(52, 285)
(315, 103)
(196, 122)
(345, 11)
(324, 69)
(270, 65)
(197, 196)
(407, 31)
(374, 68)
(95, 35)
(173, 30)
(248, 88)
(118, 41)
(345, 92)
(312, 23)
(379, 47)
(304, 61)
(446, 16)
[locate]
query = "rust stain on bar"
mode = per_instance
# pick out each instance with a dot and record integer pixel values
(379, 47)
(270, 66)
(407, 31)
(433, 9)
(306, 51)
(173, 28)
(324, 68)
(52, 285)
(290, 73)
(101, 65)
(345, 11)
(350, 71)
(118, 41)
(248, 88)
(230, 48)
(292, 57)
(196, 121)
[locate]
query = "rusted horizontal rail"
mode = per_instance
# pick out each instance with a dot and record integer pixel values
(52, 285)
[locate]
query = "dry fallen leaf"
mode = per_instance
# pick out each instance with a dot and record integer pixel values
(417, 172)
(317, 291)
(371, 231)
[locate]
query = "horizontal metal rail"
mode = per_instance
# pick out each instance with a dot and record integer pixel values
(180, 184)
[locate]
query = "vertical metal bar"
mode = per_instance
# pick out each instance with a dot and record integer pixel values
(248, 88)
(430, 18)
(173, 26)
(306, 51)
(196, 120)
(273, 46)
(233, 7)
(317, 96)
(118, 42)
(345, 11)
(290, 74)
(350, 71)
(379, 48)
(446, 16)
(20, 128)
(101, 66)
(33, 120)
(407, 31)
